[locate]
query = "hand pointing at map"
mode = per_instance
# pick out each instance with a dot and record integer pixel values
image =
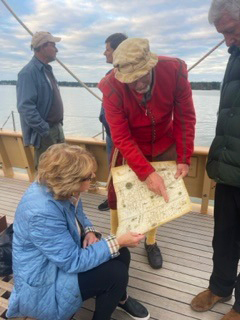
(141, 208)
(155, 183)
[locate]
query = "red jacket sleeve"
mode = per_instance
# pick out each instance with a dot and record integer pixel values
(123, 140)
(184, 119)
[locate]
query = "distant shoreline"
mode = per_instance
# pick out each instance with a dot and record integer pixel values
(212, 85)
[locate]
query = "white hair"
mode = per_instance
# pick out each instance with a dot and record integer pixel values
(219, 6)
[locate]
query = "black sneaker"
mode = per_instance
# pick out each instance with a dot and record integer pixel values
(134, 309)
(154, 255)
(103, 206)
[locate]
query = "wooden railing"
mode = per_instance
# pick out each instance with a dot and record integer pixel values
(16, 161)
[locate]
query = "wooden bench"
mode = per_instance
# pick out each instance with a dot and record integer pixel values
(6, 286)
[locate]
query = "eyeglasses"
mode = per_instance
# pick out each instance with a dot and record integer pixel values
(89, 178)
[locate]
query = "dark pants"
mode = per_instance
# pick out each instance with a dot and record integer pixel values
(226, 243)
(109, 146)
(56, 135)
(108, 282)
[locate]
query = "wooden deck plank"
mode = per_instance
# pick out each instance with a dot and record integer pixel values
(165, 235)
(156, 313)
(167, 230)
(186, 247)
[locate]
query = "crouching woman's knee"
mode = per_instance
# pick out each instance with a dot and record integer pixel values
(119, 274)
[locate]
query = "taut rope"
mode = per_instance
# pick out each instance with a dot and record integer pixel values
(30, 32)
(206, 55)
(73, 75)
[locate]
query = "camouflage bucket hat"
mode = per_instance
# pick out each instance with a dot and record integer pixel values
(133, 59)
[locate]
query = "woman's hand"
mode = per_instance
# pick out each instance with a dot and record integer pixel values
(90, 238)
(155, 183)
(130, 239)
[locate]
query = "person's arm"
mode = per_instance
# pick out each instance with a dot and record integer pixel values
(103, 120)
(86, 223)
(155, 183)
(91, 234)
(184, 120)
(49, 233)
(122, 138)
(27, 96)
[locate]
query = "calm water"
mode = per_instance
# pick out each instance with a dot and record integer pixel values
(82, 110)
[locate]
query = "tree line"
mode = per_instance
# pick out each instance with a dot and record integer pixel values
(195, 85)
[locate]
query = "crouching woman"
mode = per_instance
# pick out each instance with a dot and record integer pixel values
(58, 259)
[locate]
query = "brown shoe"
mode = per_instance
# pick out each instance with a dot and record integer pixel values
(232, 315)
(206, 300)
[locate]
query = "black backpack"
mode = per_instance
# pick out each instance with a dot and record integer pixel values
(6, 251)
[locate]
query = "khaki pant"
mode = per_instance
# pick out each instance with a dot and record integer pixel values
(169, 155)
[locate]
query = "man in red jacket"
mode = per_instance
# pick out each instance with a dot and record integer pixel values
(149, 108)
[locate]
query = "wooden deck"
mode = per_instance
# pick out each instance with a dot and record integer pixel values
(186, 249)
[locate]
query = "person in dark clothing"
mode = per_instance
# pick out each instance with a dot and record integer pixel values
(39, 101)
(112, 42)
(224, 167)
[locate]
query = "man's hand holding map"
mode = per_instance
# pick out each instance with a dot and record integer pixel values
(140, 209)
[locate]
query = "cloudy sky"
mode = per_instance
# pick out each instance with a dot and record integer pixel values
(174, 28)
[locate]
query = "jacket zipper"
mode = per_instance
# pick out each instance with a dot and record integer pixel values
(149, 114)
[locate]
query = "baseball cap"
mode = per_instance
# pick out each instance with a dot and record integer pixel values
(41, 37)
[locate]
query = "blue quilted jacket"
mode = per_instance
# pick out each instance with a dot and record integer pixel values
(47, 256)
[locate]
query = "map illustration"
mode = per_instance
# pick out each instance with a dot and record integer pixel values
(140, 209)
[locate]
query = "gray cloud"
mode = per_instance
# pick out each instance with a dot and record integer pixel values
(173, 28)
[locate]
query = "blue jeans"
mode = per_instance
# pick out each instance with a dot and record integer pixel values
(109, 145)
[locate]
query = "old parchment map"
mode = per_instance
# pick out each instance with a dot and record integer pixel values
(141, 210)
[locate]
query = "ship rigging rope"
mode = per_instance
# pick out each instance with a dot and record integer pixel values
(82, 83)
(75, 77)
(206, 55)
(66, 68)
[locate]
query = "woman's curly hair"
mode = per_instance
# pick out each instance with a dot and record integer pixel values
(62, 168)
